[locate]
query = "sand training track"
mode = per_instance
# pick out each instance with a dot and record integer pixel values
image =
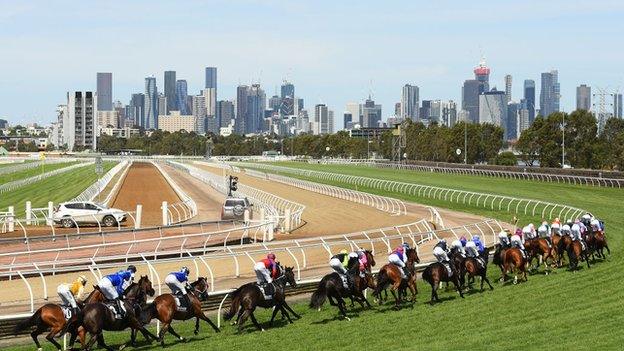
(146, 186)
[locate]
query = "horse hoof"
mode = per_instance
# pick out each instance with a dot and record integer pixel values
(262, 330)
(122, 347)
(40, 349)
(319, 309)
(182, 339)
(347, 318)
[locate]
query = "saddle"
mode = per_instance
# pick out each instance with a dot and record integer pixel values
(480, 261)
(182, 302)
(345, 281)
(116, 308)
(68, 312)
(447, 265)
(268, 290)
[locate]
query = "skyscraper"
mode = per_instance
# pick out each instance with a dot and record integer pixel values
(617, 105)
(511, 125)
(529, 99)
(225, 112)
(151, 104)
(182, 97)
(256, 104)
(211, 78)
(170, 92)
(493, 108)
(371, 113)
(79, 128)
(137, 109)
(470, 100)
(583, 97)
(199, 111)
(287, 99)
(356, 112)
(482, 75)
(241, 108)
(105, 91)
(508, 88)
(347, 120)
(549, 94)
(410, 101)
(323, 120)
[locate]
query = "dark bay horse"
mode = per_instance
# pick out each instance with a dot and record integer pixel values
(576, 252)
(164, 308)
(331, 287)
(435, 273)
(249, 296)
(98, 317)
(390, 274)
(600, 243)
(51, 317)
(562, 246)
(473, 268)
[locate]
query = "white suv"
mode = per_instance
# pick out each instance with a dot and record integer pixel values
(68, 214)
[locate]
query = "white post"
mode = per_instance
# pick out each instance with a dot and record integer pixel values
(165, 215)
(262, 215)
(137, 217)
(287, 221)
(246, 216)
(28, 212)
(11, 219)
(50, 212)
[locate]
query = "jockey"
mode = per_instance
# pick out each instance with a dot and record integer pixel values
(586, 219)
(70, 292)
(516, 241)
(178, 283)
(363, 261)
(528, 232)
(503, 239)
(340, 263)
(266, 269)
(556, 226)
(398, 257)
(595, 225)
(478, 243)
(471, 249)
(439, 252)
(457, 246)
(462, 240)
(576, 233)
(442, 244)
(114, 285)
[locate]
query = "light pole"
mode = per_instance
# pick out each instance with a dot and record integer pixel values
(465, 142)
(563, 140)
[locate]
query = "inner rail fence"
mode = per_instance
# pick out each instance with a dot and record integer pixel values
(519, 175)
(180, 211)
(90, 193)
(14, 185)
(544, 209)
(30, 165)
(229, 265)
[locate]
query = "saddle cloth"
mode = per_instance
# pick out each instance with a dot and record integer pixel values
(268, 290)
(67, 312)
(112, 305)
(181, 303)
(480, 261)
(345, 282)
(448, 269)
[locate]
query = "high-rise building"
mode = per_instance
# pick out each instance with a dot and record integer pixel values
(241, 108)
(323, 120)
(170, 92)
(425, 111)
(529, 98)
(347, 119)
(617, 106)
(225, 113)
(397, 110)
(493, 108)
(511, 125)
(356, 112)
(151, 104)
(162, 105)
(449, 113)
(4, 124)
(482, 75)
(508, 88)
(175, 122)
(470, 100)
(583, 97)
(436, 111)
(182, 97)
(410, 101)
(211, 78)
(137, 108)
(105, 91)
(199, 111)
(80, 124)
(550, 93)
(371, 113)
(210, 94)
(523, 118)
(256, 104)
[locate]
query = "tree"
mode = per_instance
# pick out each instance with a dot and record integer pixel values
(581, 138)
(506, 158)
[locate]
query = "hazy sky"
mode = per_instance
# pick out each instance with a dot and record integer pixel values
(330, 50)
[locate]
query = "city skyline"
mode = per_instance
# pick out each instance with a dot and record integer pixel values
(322, 70)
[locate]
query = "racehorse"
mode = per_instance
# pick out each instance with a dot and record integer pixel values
(165, 310)
(600, 243)
(514, 261)
(390, 274)
(332, 287)
(98, 317)
(50, 316)
(575, 252)
(540, 249)
(435, 273)
(562, 246)
(246, 298)
(473, 268)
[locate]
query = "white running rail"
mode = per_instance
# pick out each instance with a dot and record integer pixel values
(183, 210)
(23, 182)
(99, 185)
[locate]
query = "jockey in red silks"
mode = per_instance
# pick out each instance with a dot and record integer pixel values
(266, 269)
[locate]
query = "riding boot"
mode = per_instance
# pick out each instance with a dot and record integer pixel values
(406, 272)
(120, 310)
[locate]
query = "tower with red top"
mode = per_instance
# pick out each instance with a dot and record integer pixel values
(482, 74)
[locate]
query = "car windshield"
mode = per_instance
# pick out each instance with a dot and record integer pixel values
(234, 202)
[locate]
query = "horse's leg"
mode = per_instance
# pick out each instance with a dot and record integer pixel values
(196, 331)
(161, 335)
(287, 307)
(342, 307)
(51, 335)
(285, 313)
(273, 316)
(35, 333)
(92, 339)
(254, 321)
(203, 317)
(134, 323)
(434, 292)
(242, 319)
(101, 343)
(173, 332)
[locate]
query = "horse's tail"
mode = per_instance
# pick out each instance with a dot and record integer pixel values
(319, 295)
(35, 319)
(426, 275)
(234, 306)
(382, 278)
(148, 313)
(571, 253)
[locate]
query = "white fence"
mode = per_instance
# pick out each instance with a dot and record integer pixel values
(29, 165)
(382, 203)
(98, 186)
(223, 265)
(519, 175)
(23, 182)
(179, 211)
(471, 198)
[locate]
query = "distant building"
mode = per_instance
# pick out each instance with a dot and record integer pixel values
(225, 113)
(356, 112)
(583, 97)
(170, 92)
(254, 114)
(550, 93)
(371, 113)
(287, 99)
(410, 101)
(4, 124)
(470, 100)
(449, 113)
(511, 124)
(125, 132)
(211, 78)
(323, 120)
(347, 120)
(151, 104)
(108, 119)
(162, 104)
(508, 88)
(242, 91)
(176, 122)
(524, 121)
(79, 124)
(199, 111)
(136, 109)
(617, 105)
(182, 97)
(493, 108)
(482, 75)
(529, 97)
(425, 111)
(105, 91)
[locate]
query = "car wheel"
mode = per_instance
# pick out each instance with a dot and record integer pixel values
(109, 221)
(239, 210)
(67, 223)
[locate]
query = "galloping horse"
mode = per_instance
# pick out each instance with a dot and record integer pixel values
(164, 309)
(435, 273)
(562, 246)
(249, 296)
(575, 252)
(98, 317)
(600, 243)
(540, 249)
(50, 316)
(473, 268)
(513, 261)
(390, 274)
(332, 287)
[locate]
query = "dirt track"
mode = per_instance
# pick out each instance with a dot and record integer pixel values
(146, 186)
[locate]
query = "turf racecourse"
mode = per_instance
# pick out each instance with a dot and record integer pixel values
(581, 310)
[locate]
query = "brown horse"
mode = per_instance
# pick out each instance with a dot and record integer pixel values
(539, 248)
(600, 243)
(514, 262)
(473, 268)
(51, 317)
(575, 252)
(390, 274)
(435, 273)
(562, 246)
(98, 317)
(249, 296)
(165, 310)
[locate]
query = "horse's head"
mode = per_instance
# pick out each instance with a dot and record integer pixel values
(145, 285)
(369, 257)
(200, 287)
(289, 275)
(371, 282)
(412, 256)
